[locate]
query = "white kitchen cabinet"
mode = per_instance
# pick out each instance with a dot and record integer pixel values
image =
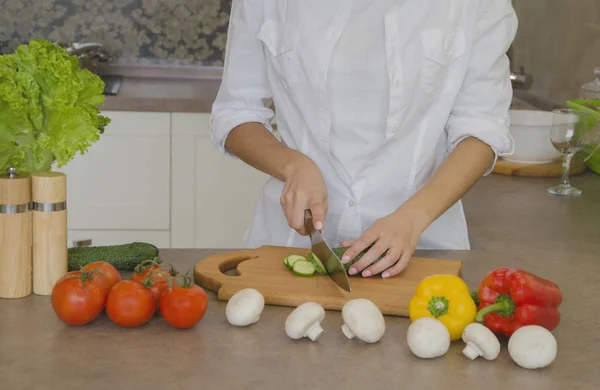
(119, 191)
(213, 196)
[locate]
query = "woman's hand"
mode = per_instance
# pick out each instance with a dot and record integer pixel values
(304, 189)
(398, 234)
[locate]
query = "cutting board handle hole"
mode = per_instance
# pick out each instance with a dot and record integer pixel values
(229, 267)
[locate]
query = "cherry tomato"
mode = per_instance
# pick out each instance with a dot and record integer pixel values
(183, 306)
(129, 304)
(77, 298)
(106, 271)
(141, 271)
(154, 277)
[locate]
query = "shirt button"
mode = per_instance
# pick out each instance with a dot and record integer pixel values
(351, 203)
(394, 129)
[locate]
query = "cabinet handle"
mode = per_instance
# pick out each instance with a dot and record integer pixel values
(78, 243)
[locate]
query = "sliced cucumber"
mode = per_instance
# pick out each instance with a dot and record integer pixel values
(303, 268)
(285, 262)
(317, 263)
(292, 259)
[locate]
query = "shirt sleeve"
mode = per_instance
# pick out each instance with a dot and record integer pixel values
(482, 105)
(244, 89)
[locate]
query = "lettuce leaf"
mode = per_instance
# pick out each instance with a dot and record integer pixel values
(49, 108)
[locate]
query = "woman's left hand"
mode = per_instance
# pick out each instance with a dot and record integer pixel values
(397, 233)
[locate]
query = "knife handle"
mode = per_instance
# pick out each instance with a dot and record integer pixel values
(308, 222)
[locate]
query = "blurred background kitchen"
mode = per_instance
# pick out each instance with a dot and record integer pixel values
(558, 42)
(161, 63)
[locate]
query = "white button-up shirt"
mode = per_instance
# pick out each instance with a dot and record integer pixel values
(448, 79)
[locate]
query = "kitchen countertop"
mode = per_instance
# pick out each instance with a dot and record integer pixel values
(513, 222)
(163, 95)
(193, 89)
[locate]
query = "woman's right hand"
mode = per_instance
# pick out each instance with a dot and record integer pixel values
(304, 189)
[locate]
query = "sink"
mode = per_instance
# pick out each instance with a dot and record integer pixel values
(112, 83)
(526, 100)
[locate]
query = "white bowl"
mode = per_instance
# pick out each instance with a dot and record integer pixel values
(531, 132)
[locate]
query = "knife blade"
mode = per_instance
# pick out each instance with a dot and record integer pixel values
(333, 264)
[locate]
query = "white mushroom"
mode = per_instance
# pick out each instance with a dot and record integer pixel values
(532, 347)
(245, 307)
(428, 338)
(480, 342)
(305, 321)
(363, 319)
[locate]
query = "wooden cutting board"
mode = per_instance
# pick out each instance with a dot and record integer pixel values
(553, 169)
(264, 270)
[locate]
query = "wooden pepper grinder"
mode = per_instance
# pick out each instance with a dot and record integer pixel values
(15, 235)
(49, 208)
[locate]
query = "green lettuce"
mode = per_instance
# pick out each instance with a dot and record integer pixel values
(49, 108)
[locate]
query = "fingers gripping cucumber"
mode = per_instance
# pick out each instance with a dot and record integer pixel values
(339, 251)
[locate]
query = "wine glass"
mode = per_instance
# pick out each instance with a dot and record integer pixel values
(569, 128)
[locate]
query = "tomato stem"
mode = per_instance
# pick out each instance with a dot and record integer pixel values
(148, 282)
(187, 280)
(83, 276)
(140, 268)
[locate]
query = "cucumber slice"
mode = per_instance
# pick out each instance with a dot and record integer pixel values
(285, 262)
(319, 267)
(292, 259)
(303, 268)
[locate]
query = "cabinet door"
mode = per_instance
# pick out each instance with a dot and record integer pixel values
(123, 181)
(213, 195)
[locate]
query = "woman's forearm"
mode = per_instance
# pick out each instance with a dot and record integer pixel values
(259, 148)
(464, 166)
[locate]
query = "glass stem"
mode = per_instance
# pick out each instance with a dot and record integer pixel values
(566, 167)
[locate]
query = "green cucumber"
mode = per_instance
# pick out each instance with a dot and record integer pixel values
(292, 259)
(303, 268)
(124, 257)
(314, 259)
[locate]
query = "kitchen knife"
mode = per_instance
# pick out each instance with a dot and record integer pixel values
(333, 264)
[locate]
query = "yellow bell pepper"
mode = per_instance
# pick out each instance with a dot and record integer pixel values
(446, 298)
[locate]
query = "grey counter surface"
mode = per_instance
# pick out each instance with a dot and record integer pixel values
(513, 222)
(194, 89)
(147, 94)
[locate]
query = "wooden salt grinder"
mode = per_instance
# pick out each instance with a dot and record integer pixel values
(49, 208)
(15, 235)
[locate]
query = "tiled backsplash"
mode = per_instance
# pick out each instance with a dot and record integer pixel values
(558, 42)
(176, 31)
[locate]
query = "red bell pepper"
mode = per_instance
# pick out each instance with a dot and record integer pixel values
(511, 298)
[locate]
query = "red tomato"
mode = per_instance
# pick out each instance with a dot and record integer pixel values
(106, 271)
(129, 304)
(154, 277)
(90, 276)
(142, 269)
(77, 298)
(183, 306)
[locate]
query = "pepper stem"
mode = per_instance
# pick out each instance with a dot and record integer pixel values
(504, 306)
(438, 306)
(475, 296)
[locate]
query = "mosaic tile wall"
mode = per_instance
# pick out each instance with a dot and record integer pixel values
(173, 31)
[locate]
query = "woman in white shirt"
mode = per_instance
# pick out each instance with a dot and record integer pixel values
(388, 112)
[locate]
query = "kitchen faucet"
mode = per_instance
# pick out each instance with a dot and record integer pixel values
(519, 80)
(88, 51)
